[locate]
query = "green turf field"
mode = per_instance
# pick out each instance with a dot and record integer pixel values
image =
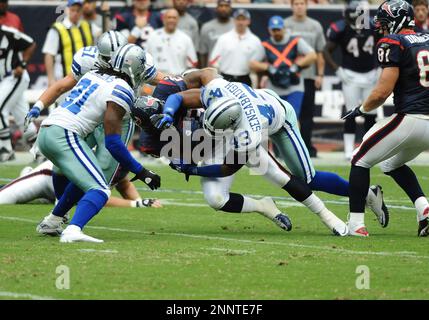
(188, 251)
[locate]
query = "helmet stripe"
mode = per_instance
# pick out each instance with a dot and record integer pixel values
(111, 41)
(130, 46)
(213, 121)
(219, 108)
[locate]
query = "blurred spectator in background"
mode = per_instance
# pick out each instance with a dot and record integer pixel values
(138, 22)
(235, 49)
(102, 20)
(357, 70)
(8, 18)
(285, 56)
(17, 49)
(65, 38)
(187, 23)
(421, 15)
(172, 49)
(299, 24)
(212, 30)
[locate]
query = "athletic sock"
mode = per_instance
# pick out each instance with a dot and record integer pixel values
(349, 144)
(422, 207)
(314, 203)
(298, 189)
(90, 204)
(357, 218)
(358, 186)
(60, 184)
(264, 206)
(407, 180)
(331, 183)
(72, 194)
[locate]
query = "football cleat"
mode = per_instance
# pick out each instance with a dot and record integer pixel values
(74, 234)
(335, 224)
(50, 226)
(424, 224)
(283, 221)
(375, 202)
(358, 231)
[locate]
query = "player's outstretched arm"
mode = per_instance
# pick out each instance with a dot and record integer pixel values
(131, 197)
(199, 78)
(113, 128)
(49, 96)
(187, 99)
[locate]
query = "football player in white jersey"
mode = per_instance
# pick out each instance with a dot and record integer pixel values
(36, 184)
(249, 124)
(102, 96)
(85, 60)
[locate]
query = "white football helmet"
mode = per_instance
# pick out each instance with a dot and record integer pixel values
(223, 114)
(130, 59)
(107, 44)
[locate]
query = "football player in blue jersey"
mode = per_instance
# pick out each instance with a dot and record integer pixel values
(394, 141)
(354, 35)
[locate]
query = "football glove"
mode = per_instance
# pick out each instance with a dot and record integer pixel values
(149, 177)
(162, 121)
(179, 166)
(355, 112)
(144, 203)
(34, 113)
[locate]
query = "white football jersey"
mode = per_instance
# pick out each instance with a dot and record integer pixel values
(86, 59)
(36, 184)
(83, 109)
(262, 110)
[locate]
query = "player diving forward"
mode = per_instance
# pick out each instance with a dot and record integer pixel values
(285, 136)
(36, 184)
(404, 57)
(217, 181)
(103, 96)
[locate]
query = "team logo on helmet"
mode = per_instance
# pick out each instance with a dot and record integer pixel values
(387, 7)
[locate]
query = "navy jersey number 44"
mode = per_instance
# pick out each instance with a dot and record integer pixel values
(357, 46)
(410, 53)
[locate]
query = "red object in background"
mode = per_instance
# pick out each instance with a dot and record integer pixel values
(11, 20)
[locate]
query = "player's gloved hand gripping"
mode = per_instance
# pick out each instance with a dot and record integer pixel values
(355, 112)
(149, 177)
(34, 113)
(165, 120)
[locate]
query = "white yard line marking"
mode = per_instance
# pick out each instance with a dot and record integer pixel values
(273, 243)
(97, 251)
(16, 295)
(288, 200)
(234, 251)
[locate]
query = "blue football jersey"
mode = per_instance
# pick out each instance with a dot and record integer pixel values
(410, 53)
(357, 46)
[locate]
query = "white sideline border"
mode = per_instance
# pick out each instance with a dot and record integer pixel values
(16, 295)
(401, 254)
